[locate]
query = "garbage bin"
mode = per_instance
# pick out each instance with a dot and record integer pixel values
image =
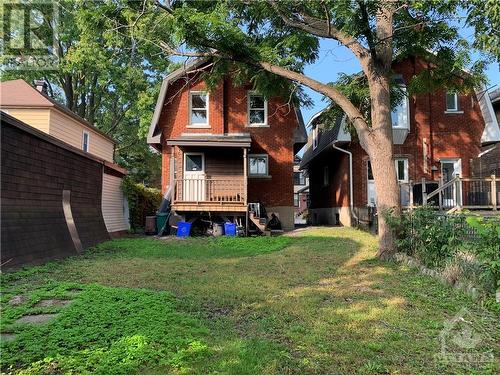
(230, 229)
(161, 219)
(183, 229)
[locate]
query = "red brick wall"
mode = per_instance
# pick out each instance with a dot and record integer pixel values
(447, 136)
(275, 140)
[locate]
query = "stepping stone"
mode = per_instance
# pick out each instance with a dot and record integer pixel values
(36, 319)
(7, 337)
(17, 300)
(53, 302)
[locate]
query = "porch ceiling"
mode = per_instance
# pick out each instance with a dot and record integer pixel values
(212, 140)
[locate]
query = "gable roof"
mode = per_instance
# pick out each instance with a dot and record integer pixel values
(18, 93)
(325, 138)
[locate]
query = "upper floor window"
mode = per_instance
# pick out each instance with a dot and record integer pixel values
(401, 165)
(198, 108)
(85, 141)
(298, 178)
(400, 113)
(451, 102)
(258, 165)
(315, 137)
(257, 110)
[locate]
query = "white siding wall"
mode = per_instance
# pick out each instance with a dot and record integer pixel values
(70, 131)
(113, 211)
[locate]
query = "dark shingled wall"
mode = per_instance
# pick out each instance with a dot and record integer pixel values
(35, 170)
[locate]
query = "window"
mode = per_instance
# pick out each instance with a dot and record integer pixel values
(315, 137)
(399, 114)
(298, 178)
(451, 102)
(326, 176)
(402, 170)
(296, 200)
(258, 165)
(193, 163)
(85, 141)
(198, 104)
(257, 110)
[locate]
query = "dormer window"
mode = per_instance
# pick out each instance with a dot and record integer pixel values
(451, 102)
(198, 109)
(257, 109)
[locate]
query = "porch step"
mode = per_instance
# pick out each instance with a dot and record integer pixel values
(259, 222)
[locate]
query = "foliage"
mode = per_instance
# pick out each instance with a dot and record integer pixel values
(320, 305)
(108, 78)
(429, 236)
(142, 202)
(487, 246)
(484, 16)
(104, 331)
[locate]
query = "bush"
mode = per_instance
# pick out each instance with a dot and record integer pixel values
(142, 202)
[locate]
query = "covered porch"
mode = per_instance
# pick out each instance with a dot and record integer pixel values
(210, 173)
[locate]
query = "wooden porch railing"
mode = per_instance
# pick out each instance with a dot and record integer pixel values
(458, 193)
(214, 190)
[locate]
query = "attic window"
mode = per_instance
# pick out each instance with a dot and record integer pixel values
(257, 109)
(198, 108)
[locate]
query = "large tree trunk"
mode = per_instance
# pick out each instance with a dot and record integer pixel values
(380, 150)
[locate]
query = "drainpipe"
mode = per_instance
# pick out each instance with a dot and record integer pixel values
(351, 195)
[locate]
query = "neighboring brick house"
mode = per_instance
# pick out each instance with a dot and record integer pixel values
(301, 193)
(435, 136)
(34, 107)
(226, 147)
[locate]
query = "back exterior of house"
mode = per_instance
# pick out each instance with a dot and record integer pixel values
(436, 137)
(225, 147)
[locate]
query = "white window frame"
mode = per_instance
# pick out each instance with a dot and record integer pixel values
(406, 107)
(452, 110)
(186, 154)
(266, 157)
(83, 141)
(296, 199)
(315, 137)
(256, 125)
(326, 176)
(199, 124)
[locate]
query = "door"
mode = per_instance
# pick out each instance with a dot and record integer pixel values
(194, 177)
(450, 168)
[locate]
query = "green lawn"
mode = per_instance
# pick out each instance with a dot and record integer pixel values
(315, 303)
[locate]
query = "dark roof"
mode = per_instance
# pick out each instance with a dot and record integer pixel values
(218, 140)
(12, 121)
(19, 93)
(325, 138)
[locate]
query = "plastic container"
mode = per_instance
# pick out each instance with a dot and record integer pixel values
(161, 219)
(183, 229)
(149, 225)
(230, 229)
(218, 229)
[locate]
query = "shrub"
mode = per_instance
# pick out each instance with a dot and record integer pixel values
(486, 246)
(142, 201)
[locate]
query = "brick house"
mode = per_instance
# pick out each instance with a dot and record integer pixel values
(435, 135)
(225, 147)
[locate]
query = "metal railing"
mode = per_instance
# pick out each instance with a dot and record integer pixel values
(215, 190)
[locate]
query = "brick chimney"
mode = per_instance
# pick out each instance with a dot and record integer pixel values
(41, 85)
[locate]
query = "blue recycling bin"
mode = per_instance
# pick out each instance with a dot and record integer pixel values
(183, 229)
(230, 229)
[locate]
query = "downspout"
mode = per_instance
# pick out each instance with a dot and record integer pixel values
(351, 195)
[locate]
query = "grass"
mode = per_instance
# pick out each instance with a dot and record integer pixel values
(315, 303)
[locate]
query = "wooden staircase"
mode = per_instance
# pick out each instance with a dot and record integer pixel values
(260, 223)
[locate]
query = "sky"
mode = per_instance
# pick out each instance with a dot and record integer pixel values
(334, 59)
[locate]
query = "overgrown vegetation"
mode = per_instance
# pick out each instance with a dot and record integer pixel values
(142, 201)
(463, 247)
(318, 303)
